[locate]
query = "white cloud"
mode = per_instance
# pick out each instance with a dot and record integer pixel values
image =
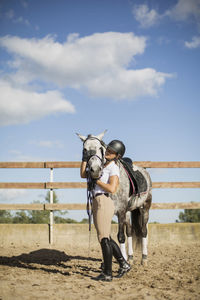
(76, 61)
(195, 43)
(19, 106)
(145, 16)
(126, 83)
(99, 63)
(182, 11)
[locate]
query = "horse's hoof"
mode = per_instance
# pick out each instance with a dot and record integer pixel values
(130, 259)
(144, 262)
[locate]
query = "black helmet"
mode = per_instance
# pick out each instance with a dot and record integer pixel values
(117, 146)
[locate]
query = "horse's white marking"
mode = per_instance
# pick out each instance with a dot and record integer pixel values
(123, 250)
(130, 245)
(144, 245)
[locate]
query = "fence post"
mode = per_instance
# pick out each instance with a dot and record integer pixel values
(51, 211)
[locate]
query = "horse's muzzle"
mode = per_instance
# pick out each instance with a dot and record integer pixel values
(95, 173)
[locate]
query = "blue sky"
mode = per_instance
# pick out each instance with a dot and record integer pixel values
(131, 67)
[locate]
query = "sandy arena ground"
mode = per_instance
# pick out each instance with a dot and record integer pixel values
(173, 272)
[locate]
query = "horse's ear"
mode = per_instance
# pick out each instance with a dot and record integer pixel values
(101, 135)
(82, 137)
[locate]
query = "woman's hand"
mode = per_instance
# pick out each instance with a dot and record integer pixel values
(83, 169)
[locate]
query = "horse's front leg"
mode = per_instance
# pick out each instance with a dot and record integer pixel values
(129, 237)
(121, 235)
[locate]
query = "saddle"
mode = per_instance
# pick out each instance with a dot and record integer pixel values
(138, 183)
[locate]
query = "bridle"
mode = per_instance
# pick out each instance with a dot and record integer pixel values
(92, 153)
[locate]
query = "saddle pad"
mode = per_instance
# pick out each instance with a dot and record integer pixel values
(137, 177)
(141, 181)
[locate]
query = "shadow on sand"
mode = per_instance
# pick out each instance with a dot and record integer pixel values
(45, 259)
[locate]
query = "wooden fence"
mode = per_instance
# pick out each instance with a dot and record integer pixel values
(65, 185)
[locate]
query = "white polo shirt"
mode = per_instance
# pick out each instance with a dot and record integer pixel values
(110, 170)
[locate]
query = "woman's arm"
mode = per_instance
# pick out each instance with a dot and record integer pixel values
(83, 169)
(110, 187)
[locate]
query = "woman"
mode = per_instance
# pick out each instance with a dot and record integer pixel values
(103, 209)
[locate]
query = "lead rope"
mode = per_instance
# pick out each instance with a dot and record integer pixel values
(90, 197)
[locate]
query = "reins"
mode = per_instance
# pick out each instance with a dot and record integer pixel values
(90, 198)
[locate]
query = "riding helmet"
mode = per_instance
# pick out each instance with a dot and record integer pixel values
(117, 146)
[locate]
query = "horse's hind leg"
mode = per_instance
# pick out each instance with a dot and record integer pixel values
(145, 217)
(121, 236)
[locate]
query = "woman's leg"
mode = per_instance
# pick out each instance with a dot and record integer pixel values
(123, 265)
(103, 210)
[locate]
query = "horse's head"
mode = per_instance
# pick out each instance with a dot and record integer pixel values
(95, 148)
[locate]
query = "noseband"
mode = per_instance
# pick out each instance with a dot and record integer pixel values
(101, 160)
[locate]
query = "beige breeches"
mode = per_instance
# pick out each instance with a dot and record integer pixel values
(103, 211)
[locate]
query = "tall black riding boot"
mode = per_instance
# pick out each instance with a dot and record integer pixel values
(106, 274)
(124, 267)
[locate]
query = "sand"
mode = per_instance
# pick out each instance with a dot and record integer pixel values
(173, 272)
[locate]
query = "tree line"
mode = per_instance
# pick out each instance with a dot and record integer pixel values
(42, 217)
(190, 216)
(37, 216)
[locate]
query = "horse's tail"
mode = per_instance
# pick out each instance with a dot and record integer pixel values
(136, 221)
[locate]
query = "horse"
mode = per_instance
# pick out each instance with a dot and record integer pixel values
(132, 215)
